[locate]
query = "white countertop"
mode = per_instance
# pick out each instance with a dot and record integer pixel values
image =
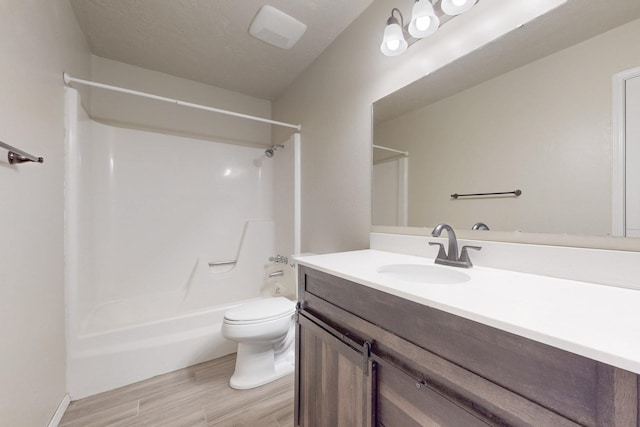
(596, 321)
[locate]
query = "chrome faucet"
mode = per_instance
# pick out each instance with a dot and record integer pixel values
(450, 257)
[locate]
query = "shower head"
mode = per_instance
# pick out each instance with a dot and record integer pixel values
(269, 152)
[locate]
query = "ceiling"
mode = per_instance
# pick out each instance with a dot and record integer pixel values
(208, 40)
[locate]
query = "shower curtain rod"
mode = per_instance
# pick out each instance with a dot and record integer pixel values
(68, 80)
(393, 150)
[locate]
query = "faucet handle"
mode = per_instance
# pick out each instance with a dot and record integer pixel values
(279, 259)
(480, 226)
(464, 254)
(441, 253)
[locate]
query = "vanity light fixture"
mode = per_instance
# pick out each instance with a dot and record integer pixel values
(456, 7)
(393, 41)
(425, 20)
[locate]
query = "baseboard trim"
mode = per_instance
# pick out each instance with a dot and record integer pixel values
(62, 407)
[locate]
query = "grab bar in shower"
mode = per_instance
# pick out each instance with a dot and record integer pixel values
(212, 264)
(19, 156)
(516, 193)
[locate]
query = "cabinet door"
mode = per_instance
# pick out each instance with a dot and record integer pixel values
(334, 379)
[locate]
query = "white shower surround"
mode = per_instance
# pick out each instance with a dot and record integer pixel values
(146, 213)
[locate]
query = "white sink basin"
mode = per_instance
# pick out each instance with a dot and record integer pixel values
(423, 273)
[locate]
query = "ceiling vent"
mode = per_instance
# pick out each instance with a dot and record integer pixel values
(276, 27)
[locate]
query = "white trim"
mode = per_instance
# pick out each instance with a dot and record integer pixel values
(618, 227)
(403, 191)
(68, 80)
(62, 407)
(297, 193)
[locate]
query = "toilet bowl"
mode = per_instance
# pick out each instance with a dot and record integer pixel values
(265, 333)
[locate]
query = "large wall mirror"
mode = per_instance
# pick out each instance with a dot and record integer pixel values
(531, 111)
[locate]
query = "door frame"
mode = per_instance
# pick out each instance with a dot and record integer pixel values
(618, 228)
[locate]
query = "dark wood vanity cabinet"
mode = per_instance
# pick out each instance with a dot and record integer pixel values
(365, 357)
(334, 379)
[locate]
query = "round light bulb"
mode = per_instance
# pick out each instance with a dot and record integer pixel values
(456, 7)
(393, 44)
(393, 41)
(423, 22)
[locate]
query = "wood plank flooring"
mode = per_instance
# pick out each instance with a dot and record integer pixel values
(195, 396)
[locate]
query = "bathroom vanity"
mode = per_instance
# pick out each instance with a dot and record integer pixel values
(496, 349)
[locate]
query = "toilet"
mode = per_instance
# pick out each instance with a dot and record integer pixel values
(265, 333)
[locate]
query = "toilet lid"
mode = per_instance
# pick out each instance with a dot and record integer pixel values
(264, 309)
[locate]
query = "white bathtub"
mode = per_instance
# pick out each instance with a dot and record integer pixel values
(109, 359)
(124, 341)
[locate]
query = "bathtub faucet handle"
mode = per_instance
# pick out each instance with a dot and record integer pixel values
(279, 259)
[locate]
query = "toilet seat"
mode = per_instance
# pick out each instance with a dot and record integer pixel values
(260, 311)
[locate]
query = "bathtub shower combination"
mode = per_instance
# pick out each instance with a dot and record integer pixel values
(158, 249)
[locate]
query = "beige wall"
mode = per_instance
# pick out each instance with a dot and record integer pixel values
(132, 111)
(38, 41)
(544, 128)
(332, 100)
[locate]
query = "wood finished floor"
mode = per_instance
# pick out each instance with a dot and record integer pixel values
(196, 396)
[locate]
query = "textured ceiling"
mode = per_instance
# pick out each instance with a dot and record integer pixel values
(208, 40)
